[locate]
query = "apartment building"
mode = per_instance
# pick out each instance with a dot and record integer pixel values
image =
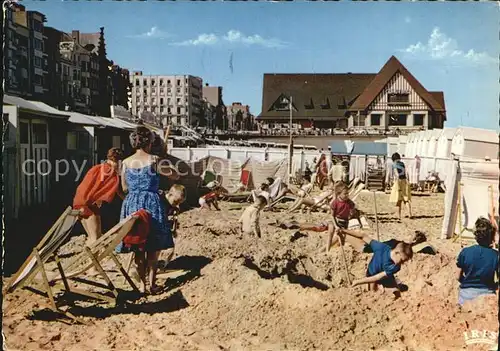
(173, 99)
(78, 69)
(239, 117)
(25, 59)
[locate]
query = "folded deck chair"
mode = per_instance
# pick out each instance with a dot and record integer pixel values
(355, 192)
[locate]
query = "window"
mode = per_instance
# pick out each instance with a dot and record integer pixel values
(161, 82)
(153, 82)
(168, 82)
(37, 26)
(71, 141)
(359, 121)
(178, 110)
(178, 100)
(145, 82)
(38, 79)
(39, 133)
(116, 141)
(326, 105)
(418, 119)
(75, 74)
(178, 90)
(162, 109)
(153, 109)
(161, 101)
(169, 110)
(162, 91)
(153, 91)
(153, 101)
(398, 99)
(137, 82)
(375, 119)
(310, 105)
(178, 82)
(24, 133)
(282, 105)
(169, 91)
(38, 45)
(397, 120)
(38, 62)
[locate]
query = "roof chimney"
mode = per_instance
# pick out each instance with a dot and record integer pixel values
(75, 34)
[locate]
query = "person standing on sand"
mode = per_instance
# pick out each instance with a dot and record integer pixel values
(140, 181)
(401, 191)
(477, 264)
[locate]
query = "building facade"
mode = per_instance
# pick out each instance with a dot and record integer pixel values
(25, 58)
(218, 114)
(176, 99)
(239, 117)
(392, 99)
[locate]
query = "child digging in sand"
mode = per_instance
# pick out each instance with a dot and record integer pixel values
(385, 263)
(249, 221)
(206, 201)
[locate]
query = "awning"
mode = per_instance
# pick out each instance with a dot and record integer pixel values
(35, 107)
(80, 118)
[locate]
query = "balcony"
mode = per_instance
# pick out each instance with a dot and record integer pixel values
(38, 35)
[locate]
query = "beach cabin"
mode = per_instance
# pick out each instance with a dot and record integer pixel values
(432, 142)
(31, 147)
(410, 145)
(419, 143)
(401, 145)
(475, 143)
(444, 143)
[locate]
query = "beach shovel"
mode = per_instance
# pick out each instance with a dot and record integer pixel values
(345, 261)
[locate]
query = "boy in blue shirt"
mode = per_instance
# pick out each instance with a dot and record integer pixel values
(477, 264)
(385, 263)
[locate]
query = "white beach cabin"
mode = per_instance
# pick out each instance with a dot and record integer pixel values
(432, 142)
(444, 143)
(475, 143)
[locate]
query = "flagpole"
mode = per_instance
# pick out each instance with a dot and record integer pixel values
(290, 145)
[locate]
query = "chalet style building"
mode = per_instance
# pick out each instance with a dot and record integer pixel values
(390, 99)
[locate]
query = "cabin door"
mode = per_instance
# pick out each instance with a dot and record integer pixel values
(35, 164)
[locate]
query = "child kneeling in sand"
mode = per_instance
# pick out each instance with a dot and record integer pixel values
(206, 201)
(249, 221)
(385, 263)
(477, 264)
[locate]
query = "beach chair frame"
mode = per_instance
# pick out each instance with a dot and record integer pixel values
(96, 253)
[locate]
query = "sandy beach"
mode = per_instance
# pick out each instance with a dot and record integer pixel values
(278, 292)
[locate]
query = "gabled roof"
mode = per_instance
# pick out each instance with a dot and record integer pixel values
(336, 89)
(383, 77)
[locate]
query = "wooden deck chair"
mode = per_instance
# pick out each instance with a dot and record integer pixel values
(208, 176)
(95, 254)
(355, 192)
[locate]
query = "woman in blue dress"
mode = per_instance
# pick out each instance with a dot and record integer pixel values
(140, 181)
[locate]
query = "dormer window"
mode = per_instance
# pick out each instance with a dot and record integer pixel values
(282, 104)
(309, 105)
(342, 104)
(326, 105)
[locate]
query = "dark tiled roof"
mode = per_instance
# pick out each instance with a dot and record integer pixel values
(384, 76)
(313, 91)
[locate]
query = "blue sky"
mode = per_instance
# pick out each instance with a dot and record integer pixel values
(451, 47)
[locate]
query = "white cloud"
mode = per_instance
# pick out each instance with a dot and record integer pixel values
(233, 37)
(407, 19)
(439, 46)
(202, 39)
(153, 33)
